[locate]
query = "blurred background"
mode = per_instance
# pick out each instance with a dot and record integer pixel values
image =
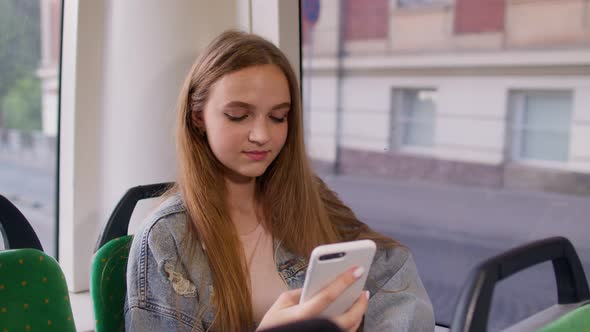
(459, 127)
(30, 41)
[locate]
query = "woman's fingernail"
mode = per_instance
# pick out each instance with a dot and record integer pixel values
(358, 272)
(367, 294)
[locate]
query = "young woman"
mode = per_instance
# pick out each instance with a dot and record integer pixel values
(227, 250)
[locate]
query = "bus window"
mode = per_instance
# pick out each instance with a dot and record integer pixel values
(29, 59)
(459, 128)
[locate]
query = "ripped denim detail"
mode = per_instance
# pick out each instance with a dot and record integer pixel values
(180, 284)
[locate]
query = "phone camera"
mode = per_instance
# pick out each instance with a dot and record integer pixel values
(332, 256)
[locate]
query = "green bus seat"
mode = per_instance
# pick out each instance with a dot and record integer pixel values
(33, 291)
(108, 285)
(576, 320)
(473, 308)
(108, 275)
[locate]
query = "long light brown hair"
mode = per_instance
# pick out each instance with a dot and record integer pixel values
(297, 206)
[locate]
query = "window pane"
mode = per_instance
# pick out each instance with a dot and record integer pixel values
(422, 105)
(418, 134)
(498, 82)
(542, 145)
(546, 121)
(546, 111)
(419, 112)
(30, 37)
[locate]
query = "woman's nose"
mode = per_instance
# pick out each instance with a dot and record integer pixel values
(259, 133)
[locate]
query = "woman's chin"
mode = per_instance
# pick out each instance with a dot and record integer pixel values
(245, 175)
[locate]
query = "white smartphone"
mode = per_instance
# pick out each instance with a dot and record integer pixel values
(329, 261)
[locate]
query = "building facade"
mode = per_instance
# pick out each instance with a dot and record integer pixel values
(49, 64)
(492, 93)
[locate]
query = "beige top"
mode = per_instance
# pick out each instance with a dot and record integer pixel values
(265, 282)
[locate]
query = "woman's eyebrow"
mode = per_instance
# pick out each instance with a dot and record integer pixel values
(240, 104)
(247, 106)
(281, 106)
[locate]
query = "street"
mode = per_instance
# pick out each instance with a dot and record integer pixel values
(448, 228)
(32, 190)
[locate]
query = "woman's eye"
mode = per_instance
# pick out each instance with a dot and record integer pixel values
(236, 118)
(278, 120)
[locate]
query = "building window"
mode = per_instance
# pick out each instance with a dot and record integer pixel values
(541, 125)
(479, 16)
(366, 19)
(414, 111)
(421, 3)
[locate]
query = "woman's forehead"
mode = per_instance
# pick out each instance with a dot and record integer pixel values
(252, 83)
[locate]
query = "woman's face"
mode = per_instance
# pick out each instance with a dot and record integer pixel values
(245, 119)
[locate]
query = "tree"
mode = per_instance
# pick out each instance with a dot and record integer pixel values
(19, 43)
(22, 105)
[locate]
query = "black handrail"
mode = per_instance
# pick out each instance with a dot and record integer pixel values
(16, 230)
(473, 307)
(118, 222)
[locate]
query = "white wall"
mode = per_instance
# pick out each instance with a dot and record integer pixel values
(320, 97)
(325, 31)
(580, 135)
(278, 21)
(80, 109)
(147, 57)
(470, 121)
(123, 64)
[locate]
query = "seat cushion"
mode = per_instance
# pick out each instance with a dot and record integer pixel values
(576, 320)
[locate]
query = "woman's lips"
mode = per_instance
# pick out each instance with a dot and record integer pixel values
(256, 155)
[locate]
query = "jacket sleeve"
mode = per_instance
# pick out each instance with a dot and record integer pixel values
(160, 295)
(398, 299)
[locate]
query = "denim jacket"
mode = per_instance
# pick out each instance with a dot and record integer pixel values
(164, 293)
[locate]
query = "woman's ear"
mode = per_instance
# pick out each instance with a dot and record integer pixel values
(197, 117)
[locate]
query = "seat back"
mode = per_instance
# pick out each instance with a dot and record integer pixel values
(33, 293)
(16, 231)
(108, 285)
(118, 222)
(109, 266)
(473, 307)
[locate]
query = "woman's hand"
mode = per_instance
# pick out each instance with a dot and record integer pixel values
(287, 309)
